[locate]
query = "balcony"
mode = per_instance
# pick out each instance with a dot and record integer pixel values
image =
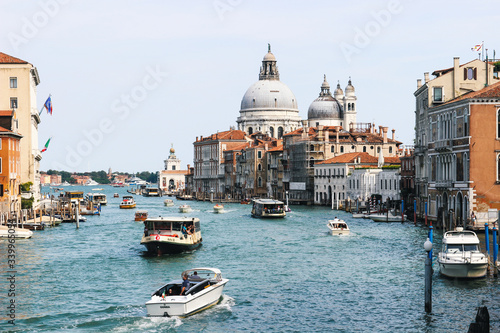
(444, 184)
(443, 145)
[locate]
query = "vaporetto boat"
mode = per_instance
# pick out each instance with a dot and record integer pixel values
(205, 290)
(171, 234)
(268, 208)
(460, 256)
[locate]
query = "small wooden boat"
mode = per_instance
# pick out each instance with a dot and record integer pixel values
(116, 195)
(141, 215)
(7, 231)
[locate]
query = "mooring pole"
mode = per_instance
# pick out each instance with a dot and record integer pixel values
(430, 239)
(415, 211)
(487, 238)
(402, 211)
(428, 277)
(495, 251)
(425, 207)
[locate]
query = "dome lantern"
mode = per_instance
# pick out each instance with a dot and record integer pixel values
(269, 70)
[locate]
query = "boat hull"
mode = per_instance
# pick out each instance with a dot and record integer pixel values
(183, 306)
(340, 232)
(463, 270)
(127, 206)
(385, 218)
(160, 244)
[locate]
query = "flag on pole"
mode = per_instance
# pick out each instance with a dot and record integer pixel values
(477, 47)
(46, 145)
(48, 105)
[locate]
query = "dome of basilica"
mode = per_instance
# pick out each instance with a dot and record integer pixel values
(325, 106)
(269, 95)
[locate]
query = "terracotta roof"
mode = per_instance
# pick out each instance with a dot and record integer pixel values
(278, 148)
(492, 91)
(226, 135)
(392, 160)
(6, 113)
(7, 59)
(350, 157)
(2, 129)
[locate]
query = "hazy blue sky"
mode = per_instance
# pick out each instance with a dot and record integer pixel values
(130, 78)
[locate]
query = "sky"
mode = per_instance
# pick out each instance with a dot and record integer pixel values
(128, 79)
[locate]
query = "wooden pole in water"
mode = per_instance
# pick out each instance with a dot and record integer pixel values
(77, 214)
(428, 277)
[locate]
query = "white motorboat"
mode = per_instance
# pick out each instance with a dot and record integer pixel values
(185, 209)
(6, 231)
(460, 256)
(338, 227)
(359, 215)
(386, 217)
(168, 202)
(171, 234)
(205, 291)
(218, 208)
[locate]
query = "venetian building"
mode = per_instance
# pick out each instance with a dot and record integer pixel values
(349, 101)
(172, 178)
(269, 106)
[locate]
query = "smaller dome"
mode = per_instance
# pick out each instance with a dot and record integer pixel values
(338, 91)
(269, 57)
(349, 90)
(325, 84)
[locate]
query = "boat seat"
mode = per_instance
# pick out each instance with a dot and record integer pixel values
(198, 287)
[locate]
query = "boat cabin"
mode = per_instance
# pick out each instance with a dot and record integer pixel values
(171, 226)
(268, 208)
(141, 215)
(73, 196)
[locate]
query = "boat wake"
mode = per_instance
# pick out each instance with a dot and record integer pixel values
(150, 324)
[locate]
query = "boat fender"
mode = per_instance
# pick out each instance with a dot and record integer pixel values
(157, 237)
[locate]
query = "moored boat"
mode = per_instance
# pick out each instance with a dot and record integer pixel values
(99, 198)
(218, 208)
(128, 202)
(168, 202)
(268, 208)
(205, 290)
(14, 232)
(338, 227)
(386, 217)
(185, 209)
(141, 215)
(460, 256)
(171, 234)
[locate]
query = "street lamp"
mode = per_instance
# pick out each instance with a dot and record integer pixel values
(428, 277)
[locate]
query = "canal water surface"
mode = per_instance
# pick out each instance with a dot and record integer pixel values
(285, 275)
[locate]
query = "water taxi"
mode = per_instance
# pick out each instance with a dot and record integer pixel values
(168, 202)
(205, 290)
(338, 227)
(151, 192)
(141, 215)
(99, 198)
(127, 202)
(171, 234)
(460, 256)
(218, 208)
(268, 208)
(116, 195)
(185, 209)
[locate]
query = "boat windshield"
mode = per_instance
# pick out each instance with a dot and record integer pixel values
(471, 247)
(454, 248)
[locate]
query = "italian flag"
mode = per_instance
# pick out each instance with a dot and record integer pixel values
(46, 145)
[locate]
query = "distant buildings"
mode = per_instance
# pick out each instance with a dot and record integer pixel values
(18, 82)
(172, 178)
(273, 152)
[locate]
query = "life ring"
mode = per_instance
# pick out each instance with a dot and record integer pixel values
(157, 237)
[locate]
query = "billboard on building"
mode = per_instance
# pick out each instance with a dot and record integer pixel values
(297, 186)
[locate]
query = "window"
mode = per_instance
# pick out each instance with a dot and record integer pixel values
(470, 73)
(13, 82)
(0, 165)
(260, 182)
(259, 154)
(498, 124)
(280, 132)
(364, 149)
(250, 131)
(173, 167)
(1, 190)
(438, 94)
(390, 150)
(341, 149)
(271, 131)
(332, 148)
(13, 102)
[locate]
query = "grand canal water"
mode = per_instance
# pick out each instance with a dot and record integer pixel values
(286, 275)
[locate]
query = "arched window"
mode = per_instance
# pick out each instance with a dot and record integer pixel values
(311, 162)
(498, 124)
(250, 131)
(259, 167)
(364, 149)
(260, 182)
(352, 107)
(280, 132)
(390, 150)
(311, 147)
(271, 131)
(332, 149)
(341, 149)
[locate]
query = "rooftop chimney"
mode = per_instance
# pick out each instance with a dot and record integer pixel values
(380, 130)
(419, 83)
(393, 135)
(456, 77)
(426, 77)
(384, 129)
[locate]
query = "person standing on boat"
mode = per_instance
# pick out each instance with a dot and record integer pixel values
(185, 284)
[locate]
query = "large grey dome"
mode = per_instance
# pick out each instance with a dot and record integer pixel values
(269, 95)
(325, 106)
